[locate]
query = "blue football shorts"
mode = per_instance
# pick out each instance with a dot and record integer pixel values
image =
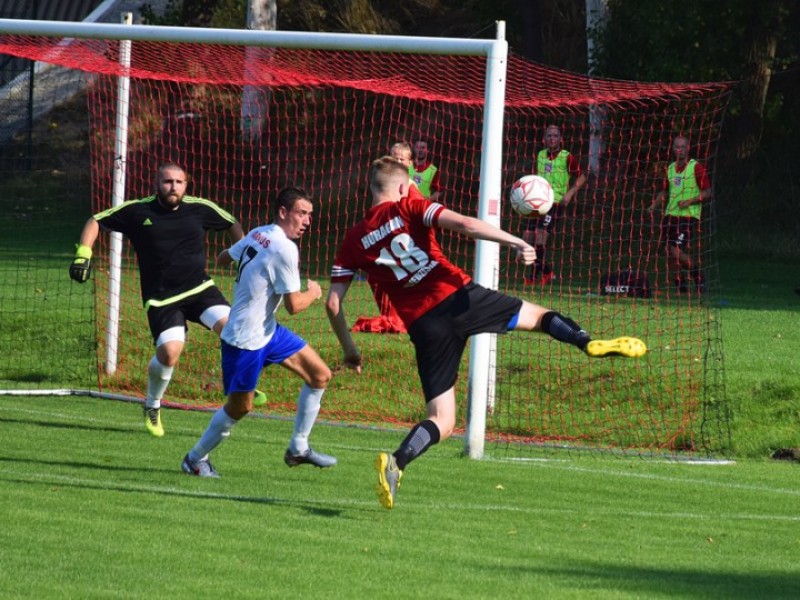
(242, 368)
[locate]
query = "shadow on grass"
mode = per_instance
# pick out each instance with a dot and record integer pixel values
(83, 465)
(310, 507)
(758, 285)
(602, 578)
(76, 426)
(131, 429)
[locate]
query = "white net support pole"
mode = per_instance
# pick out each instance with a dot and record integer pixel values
(487, 254)
(117, 198)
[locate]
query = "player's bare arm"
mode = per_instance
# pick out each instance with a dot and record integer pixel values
(579, 183)
(658, 202)
(224, 258)
(334, 306)
(297, 302)
(704, 195)
(235, 232)
(477, 229)
(89, 233)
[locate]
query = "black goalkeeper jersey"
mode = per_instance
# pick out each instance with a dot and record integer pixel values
(170, 245)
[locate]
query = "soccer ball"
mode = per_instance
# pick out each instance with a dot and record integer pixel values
(531, 196)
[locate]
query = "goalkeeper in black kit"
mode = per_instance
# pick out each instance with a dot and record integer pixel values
(168, 234)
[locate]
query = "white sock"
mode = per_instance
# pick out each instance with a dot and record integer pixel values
(218, 429)
(308, 402)
(158, 377)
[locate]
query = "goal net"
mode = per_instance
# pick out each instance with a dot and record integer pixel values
(245, 122)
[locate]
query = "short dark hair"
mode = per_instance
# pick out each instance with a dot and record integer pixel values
(287, 198)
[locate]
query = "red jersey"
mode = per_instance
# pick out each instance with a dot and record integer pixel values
(396, 246)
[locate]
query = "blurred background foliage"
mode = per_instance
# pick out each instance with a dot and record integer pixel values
(752, 43)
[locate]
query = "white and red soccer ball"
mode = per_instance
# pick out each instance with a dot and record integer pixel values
(531, 196)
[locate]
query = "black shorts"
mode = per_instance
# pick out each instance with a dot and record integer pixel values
(680, 232)
(176, 314)
(440, 335)
(547, 222)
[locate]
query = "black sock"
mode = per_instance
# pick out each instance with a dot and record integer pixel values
(564, 329)
(421, 437)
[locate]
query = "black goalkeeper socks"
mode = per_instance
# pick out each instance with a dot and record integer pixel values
(564, 329)
(421, 437)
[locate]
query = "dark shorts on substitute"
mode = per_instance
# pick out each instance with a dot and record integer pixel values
(440, 335)
(680, 232)
(176, 314)
(547, 221)
(242, 368)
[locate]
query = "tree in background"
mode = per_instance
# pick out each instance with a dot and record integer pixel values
(754, 43)
(552, 33)
(716, 40)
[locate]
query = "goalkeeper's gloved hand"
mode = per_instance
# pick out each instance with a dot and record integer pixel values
(81, 266)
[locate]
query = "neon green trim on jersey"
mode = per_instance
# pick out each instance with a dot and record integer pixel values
(220, 211)
(158, 303)
(188, 199)
(110, 211)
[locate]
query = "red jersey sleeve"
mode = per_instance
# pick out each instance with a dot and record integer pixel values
(701, 175)
(435, 186)
(573, 166)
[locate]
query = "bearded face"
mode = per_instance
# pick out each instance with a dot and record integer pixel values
(171, 187)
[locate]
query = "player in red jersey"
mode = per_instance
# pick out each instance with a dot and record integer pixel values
(439, 303)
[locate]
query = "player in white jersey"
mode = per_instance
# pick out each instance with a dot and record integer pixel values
(267, 275)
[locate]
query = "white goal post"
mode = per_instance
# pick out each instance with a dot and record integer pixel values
(482, 365)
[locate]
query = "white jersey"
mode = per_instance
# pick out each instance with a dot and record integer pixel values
(268, 269)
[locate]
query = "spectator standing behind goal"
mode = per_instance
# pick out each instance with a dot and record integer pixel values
(424, 173)
(686, 186)
(559, 166)
(439, 303)
(402, 153)
(168, 234)
(267, 274)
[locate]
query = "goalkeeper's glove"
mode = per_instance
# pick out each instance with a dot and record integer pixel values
(81, 266)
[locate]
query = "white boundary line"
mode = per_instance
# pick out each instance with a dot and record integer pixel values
(121, 486)
(562, 464)
(620, 458)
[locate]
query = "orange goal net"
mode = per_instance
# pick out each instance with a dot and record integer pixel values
(245, 122)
